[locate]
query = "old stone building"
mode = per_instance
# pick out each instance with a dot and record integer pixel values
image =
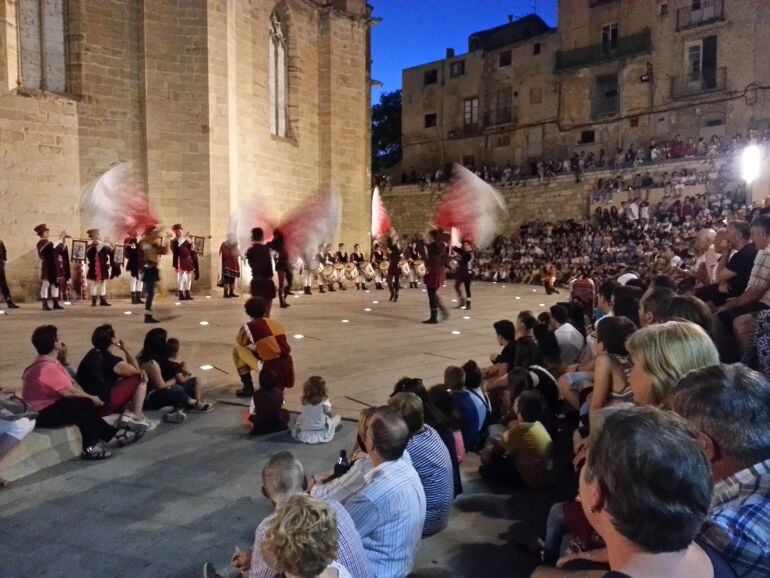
(615, 73)
(213, 100)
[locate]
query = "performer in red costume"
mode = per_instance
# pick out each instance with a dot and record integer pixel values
(231, 266)
(184, 261)
(434, 278)
(51, 268)
(135, 265)
(101, 267)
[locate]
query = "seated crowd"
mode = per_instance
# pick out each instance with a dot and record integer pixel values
(542, 170)
(632, 396)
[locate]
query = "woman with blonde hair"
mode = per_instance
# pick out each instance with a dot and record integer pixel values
(302, 540)
(664, 353)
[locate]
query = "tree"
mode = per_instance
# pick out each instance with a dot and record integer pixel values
(386, 131)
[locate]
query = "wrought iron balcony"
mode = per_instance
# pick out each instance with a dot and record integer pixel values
(630, 45)
(699, 13)
(692, 84)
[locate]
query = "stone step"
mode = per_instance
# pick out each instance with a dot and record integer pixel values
(41, 449)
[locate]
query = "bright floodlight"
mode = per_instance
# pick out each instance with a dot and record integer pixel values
(207, 367)
(750, 161)
(298, 336)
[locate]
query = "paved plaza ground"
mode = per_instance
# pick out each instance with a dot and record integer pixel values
(190, 493)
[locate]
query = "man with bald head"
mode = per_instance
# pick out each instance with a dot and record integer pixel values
(389, 511)
(282, 478)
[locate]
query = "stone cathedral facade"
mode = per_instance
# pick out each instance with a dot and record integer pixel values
(214, 101)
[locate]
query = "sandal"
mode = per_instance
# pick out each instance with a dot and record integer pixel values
(126, 437)
(95, 453)
(202, 407)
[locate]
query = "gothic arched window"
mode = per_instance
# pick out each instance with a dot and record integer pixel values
(278, 79)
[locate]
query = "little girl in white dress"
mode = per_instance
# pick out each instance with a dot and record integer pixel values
(315, 424)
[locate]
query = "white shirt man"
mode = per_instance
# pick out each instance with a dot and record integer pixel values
(389, 512)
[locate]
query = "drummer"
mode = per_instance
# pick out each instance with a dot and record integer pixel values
(413, 255)
(341, 258)
(357, 257)
(329, 261)
(315, 271)
(377, 259)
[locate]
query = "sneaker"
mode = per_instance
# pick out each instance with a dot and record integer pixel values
(176, 416)
(135, 424)
(201, 407)
(209, 571)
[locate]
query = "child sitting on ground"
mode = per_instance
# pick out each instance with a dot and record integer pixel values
(266, 414)
(523, 455)
(172, 347)
(315, 423)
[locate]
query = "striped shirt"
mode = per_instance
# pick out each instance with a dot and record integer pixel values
(760, 276)
(351, 550)
(739, 526)
(389, 514)
(431, 459)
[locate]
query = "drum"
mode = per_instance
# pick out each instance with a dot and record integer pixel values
(419, 268)
(404, 264)
(328, 273)
(368, 270)
(384, 266)
(350, 271)
(319, 269)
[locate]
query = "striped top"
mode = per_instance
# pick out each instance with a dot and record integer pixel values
(389, 514)
(351, 550)
(430, 457)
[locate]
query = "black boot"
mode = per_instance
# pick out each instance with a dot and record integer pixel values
(433, 317)
(363, 286)
(226, 291)
(395, 297)
(93, 301)
(233, 294)
(342, 287)
(461, 304)
(331, 288)
(45, 305)
(283, 303)
(358, 286)
(321, 289)
(11, 304)
(308, 291)
(139, 298)
(391, 296)
(148, 318)
(181, 296)
(468, 305)
(248, 386)
(133, 297)
(56, 303)
(103, 302)
(188, 296)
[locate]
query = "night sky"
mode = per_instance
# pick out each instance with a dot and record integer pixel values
(414, 32)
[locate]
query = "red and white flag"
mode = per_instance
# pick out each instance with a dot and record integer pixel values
(381, 223)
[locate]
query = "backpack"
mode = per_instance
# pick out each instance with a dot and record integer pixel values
(13, 408)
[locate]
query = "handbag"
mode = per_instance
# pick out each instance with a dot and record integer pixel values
(13, 408)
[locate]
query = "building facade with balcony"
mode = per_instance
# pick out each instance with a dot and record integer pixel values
(616, 73)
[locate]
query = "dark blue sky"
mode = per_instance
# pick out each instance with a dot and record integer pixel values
(414, 32)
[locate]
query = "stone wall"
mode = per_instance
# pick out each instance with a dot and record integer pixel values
(412, 209)
(180, 89)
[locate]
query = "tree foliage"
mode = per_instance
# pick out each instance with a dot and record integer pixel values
(386, 131)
